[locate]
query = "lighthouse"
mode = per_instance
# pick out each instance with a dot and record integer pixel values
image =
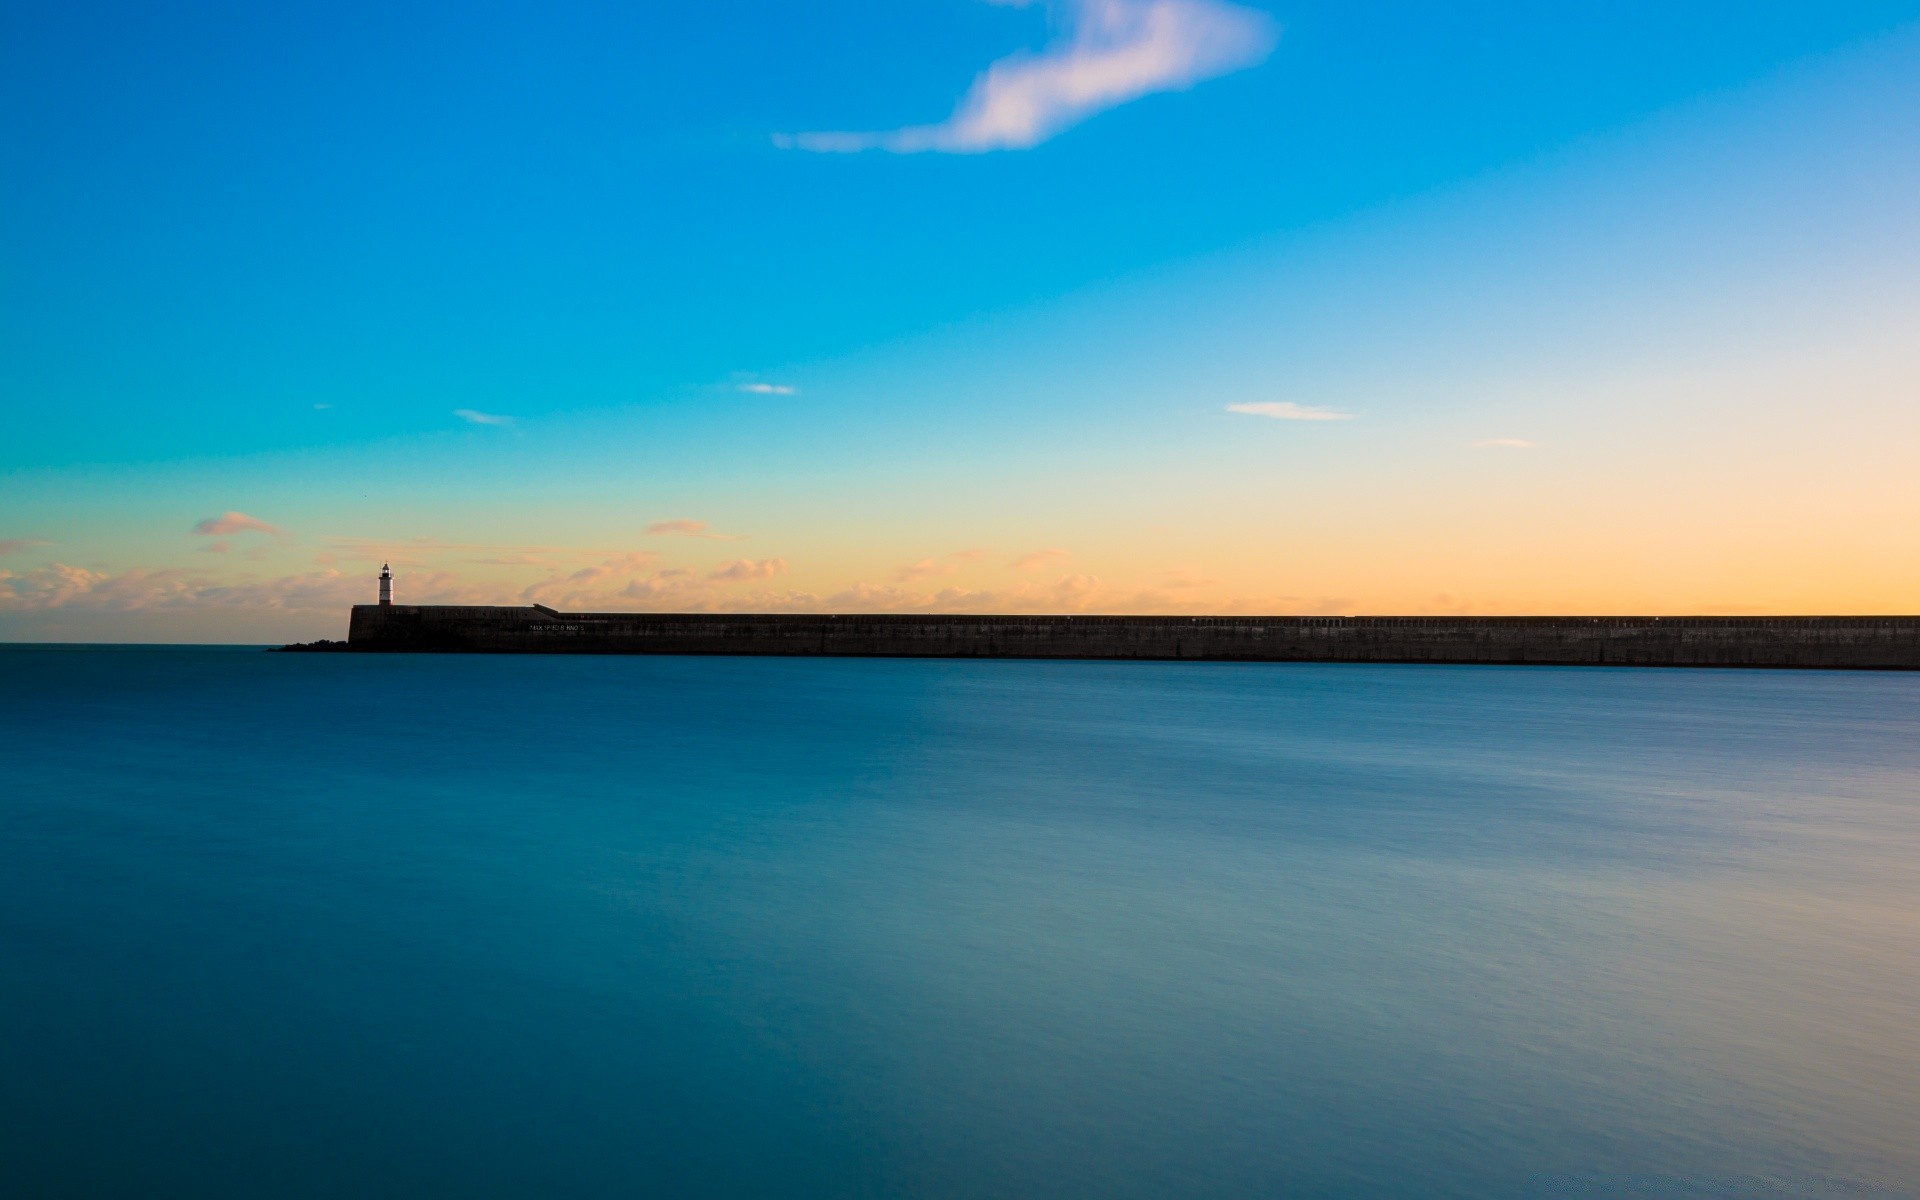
(386, 586)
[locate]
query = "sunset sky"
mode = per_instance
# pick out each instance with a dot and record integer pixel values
(904, 305)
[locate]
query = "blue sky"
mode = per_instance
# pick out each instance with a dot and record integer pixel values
(256, 259)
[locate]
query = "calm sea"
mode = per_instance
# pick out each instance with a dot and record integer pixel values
(317, 925)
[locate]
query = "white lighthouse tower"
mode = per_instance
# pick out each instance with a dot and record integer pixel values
(386, 586)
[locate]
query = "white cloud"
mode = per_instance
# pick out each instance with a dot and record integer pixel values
(16, 545)
(769, 389)
(231, 523)
(475, 417)
(1287, 410)
(1507, 443)
(1112, 51)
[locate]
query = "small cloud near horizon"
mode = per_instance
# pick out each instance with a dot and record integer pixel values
(944, 565)
(1035, 559)
(1287, 410)
(1506, 443)
(16, 545)
(689, 528)
(922, 569)
(748, 568)
(1112, 52)
(229, 523)
(769, 389)
(475, 417)
(682, 527)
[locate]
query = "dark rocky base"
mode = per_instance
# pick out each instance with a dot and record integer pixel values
(323, 646)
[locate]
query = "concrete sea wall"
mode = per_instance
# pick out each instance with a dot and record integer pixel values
(1884, 643)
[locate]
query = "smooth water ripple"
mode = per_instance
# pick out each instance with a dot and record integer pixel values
(323, 925)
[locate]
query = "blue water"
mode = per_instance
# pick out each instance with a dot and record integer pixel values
(317, 925)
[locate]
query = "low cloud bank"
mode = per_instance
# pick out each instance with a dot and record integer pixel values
(627, 582)
(60, 586)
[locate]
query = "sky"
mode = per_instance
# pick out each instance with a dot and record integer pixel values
(1198, 306)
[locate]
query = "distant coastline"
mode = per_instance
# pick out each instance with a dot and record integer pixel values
(1814, 642)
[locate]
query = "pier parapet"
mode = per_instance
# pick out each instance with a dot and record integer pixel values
(1869, 643)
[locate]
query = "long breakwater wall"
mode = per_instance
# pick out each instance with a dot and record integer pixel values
(1861, 643)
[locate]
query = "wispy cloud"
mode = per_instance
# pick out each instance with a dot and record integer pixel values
(16, 545)
(1111, 51)
(685, 528)
(475, 417)
(575, 588)
(922, 569)
(1287, 410)
(634, 579)
(1071, 593)
(748, 568)
(663, 584)
(1033, 560)
(769, 389)
(1506, 443)
(944, 565)
(321, 407)
(229, 523)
